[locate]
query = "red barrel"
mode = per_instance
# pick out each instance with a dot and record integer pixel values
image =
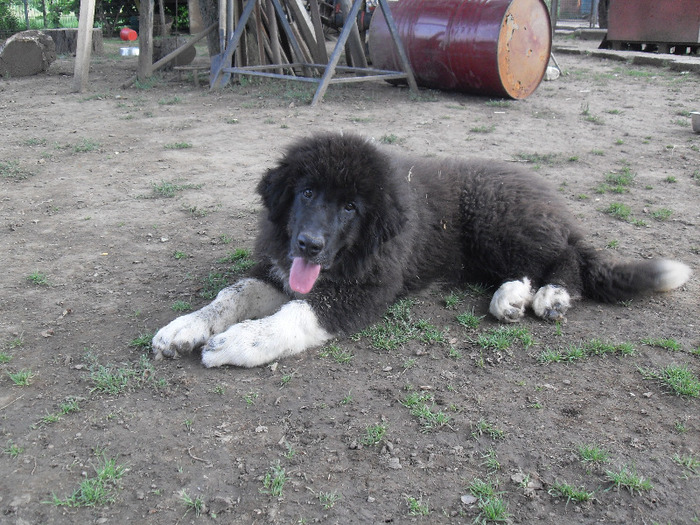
(487, 47)
(128, 34)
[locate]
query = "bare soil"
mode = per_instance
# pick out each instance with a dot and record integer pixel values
(88, 257)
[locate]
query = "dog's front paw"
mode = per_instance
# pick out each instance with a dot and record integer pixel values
(510, 300)
(551, 302)
(181, 335)
(241, 345)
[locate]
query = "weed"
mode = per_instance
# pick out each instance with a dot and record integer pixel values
(328, 499)
(662, 214)
(286, 379)
(688, 462)
(5, 357)
(99, 490)
(274, 480)
(239, 259)
(469, 320)
(12, 170)
(113, 380)
(484, 427)
(180, 255)
(178, 145)
(196, 504)
(492, 508)
(594, 347)
(666, 344)
(12, 449)
(390, 139)
(482, 129)
(671, 179)
(69, 406)
(503, 337)
(21, 378)
(613, 245)
(39, 279)
(336, 353)
(538, 158)
(167, 189)
(679, 379)
(618, 181)
(619, 211)
(571, 493)
(181, 306)
(490, 461)
(170, 101)
(627, 478)
(250, 398)
(143, 341)
(416, 507)
(452, 300)
(86, 146)
(593, 454)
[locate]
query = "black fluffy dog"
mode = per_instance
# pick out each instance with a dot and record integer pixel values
(349, 228)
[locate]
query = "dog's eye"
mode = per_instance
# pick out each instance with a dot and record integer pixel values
(350, 206)
(307, 193)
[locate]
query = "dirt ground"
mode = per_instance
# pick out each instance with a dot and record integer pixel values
(120, 206)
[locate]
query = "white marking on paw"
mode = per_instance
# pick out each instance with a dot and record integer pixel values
(247, 299)
(510, 300)
(551, 302)
(253, 343)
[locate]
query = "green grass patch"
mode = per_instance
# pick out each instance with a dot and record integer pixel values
(492, 507)
(168, 190)
(12, 170)
(374, 434)
(560, 489)
(38, 278)
(666, 344)
(98, 490)
(575, 352)
(336, 353)
(239, 261)
(504, 337)
(21, 378)
(274, 480)
(680, 380)
(593, 454)
(627, 478)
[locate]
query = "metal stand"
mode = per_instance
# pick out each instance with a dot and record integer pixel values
(330, 69)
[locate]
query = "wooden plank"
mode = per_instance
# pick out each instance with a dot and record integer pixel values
(318, 29)
(357, 48)
(305, 27)
(84, 46)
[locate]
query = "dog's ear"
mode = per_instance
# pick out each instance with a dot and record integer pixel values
(387, 221)
(277, 191)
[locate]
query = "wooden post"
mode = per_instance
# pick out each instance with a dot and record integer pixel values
(84, 46)
(145, 40)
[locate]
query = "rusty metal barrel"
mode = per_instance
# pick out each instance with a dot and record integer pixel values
(488, 47)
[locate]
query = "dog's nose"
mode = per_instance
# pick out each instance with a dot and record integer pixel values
(310, 245)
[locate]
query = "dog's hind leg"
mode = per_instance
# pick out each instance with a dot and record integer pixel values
(551, 302)
(247, 299)
(510, 300)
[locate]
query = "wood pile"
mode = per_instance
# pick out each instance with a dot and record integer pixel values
(265, 41)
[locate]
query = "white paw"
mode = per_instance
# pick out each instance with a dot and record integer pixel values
(181, 335)
(241, 345)
(291, 330)
(551, 302)
(510, 300)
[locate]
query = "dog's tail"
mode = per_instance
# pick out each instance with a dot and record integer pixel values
(610, 281)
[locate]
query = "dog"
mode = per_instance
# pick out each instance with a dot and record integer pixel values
(348, 228)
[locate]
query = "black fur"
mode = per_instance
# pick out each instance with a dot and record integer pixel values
(389, 225)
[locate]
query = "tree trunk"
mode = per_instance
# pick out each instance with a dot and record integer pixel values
(210, 14)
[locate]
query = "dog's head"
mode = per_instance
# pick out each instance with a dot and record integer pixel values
(334, 199)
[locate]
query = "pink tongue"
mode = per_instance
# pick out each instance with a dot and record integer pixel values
(303, 275)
